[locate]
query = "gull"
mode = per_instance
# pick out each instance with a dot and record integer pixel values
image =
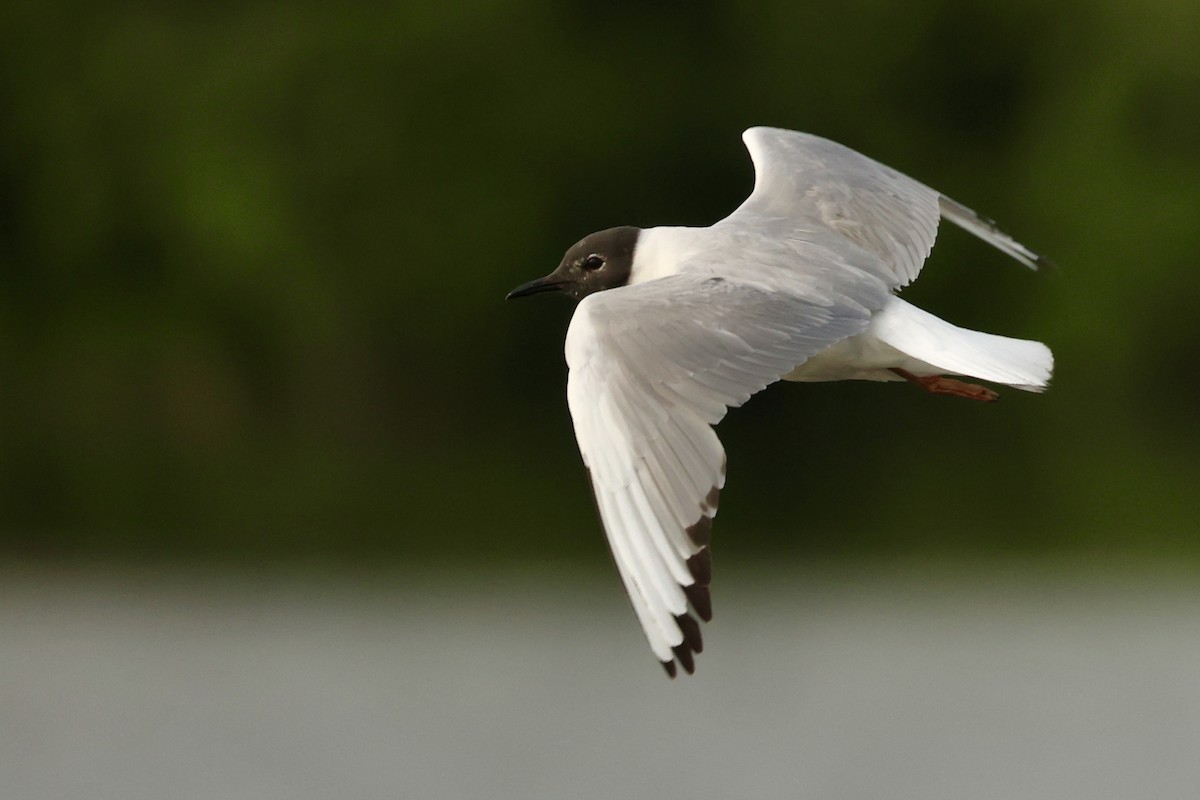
(675, 325)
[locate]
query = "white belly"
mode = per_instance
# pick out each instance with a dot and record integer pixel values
(859, 358)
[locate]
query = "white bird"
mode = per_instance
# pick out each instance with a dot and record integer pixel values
(678, 324)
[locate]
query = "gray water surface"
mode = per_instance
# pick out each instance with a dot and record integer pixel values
(836, 683)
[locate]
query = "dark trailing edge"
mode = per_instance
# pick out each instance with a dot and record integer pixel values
(700, 566)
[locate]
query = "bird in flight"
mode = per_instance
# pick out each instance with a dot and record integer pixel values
(676, 325)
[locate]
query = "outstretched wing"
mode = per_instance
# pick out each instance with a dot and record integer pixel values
(803, 180)
(653, 367)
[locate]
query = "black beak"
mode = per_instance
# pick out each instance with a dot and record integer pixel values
(546, 284)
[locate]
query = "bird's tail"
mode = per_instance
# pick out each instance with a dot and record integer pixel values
(1020, 363)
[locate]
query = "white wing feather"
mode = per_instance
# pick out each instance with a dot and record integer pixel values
(652, 367)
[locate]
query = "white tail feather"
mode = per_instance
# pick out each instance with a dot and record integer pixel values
(947, 348)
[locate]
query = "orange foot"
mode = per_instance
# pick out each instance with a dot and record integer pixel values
(936, 384)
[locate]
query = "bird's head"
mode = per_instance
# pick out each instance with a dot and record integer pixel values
(598, 261)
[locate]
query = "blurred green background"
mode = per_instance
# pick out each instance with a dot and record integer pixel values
(254, 255)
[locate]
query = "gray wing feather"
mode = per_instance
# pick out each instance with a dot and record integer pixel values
(653, 367)
(805, 183)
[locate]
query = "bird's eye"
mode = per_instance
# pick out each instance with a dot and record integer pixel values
(593, 262)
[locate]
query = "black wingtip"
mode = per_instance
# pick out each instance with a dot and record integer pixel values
(691, 633)
(701, 532)
(684, 656)
(700, 599)
(1046, 266)
(700, 567)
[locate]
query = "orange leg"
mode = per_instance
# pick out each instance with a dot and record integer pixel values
(937, 384)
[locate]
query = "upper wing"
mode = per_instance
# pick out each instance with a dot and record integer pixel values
(652, 367)
(801, 180)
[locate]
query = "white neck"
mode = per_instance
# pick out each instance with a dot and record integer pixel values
(660, 251)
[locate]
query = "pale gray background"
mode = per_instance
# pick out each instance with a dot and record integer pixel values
(834, 682)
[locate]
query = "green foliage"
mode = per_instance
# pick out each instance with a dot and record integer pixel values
(253, 259)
